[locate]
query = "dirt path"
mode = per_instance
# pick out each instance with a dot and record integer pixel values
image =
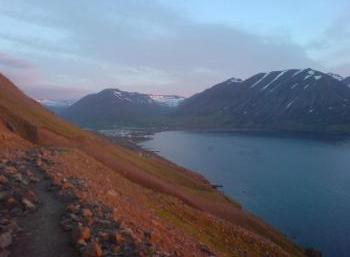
(42, 234)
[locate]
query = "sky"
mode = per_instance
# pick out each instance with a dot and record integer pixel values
(64, 49)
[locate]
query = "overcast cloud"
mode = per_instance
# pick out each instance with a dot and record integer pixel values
(56, 48)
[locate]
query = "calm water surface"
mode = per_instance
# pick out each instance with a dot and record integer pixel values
(300, 186)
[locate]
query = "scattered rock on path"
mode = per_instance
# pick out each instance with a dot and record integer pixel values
(28, 204)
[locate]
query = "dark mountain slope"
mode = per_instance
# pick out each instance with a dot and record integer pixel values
(296, 100)
(346, 81)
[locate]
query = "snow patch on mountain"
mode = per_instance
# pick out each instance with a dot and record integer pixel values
(167, 100)
(336, 76)
(235, 80)
(55, 103)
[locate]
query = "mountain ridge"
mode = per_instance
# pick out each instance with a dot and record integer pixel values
(300, 100)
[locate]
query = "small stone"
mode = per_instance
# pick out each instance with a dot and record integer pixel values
(73, 208)
(81, 243)
(86, 212)
(28, 204)
(81, 232)
(118, 238)
(92, 250)
(4, 196)
(31, 196)
(104, 236)
(5, 240)
(19, 178)
(74, 217)
(10, 170)
(11, 202)
(3, 179)
(38, 162)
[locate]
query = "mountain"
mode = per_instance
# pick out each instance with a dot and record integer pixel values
(129, 203)
(57, 106)
(346, 81)
(167, 100)
(295, 100)
(335, 76)
(114, 107)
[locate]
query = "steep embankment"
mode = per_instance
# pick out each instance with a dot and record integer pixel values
(146, 194)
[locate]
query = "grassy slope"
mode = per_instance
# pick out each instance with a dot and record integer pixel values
(32, 122)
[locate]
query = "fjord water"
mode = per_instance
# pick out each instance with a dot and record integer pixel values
(301, 186)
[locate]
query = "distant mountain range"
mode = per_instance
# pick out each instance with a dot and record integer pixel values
(114, 107)
(56, 106)
(292, 100)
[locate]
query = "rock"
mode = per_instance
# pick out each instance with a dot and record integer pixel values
(5, 240)
(31, 196)
(104, 236)
(12, 227)
(34, 179)
(38, 162)
(19, 178)
(80, 232)
(80, 244)
(112, 193)
(73, 208)
(4, 196)
(86, 213)
(28, 204)
(92, 250)
(74, 217)
(3, 179)
(10, 170)
(11, 202)
(118, 238)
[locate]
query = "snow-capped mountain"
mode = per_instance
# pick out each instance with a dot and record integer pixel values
(56, 106)
(167, 100)
(289, 100)
(114, 107)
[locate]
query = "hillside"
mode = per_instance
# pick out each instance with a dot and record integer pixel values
(113, 107)
(113, 201)
(291, 100)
